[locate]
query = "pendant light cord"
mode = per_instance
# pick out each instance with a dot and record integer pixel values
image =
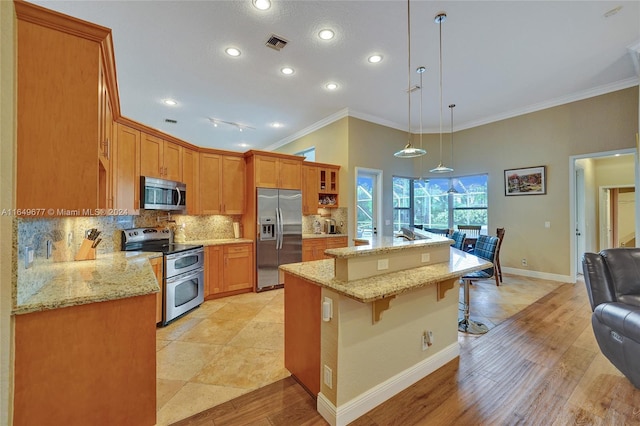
(440, 25)
(409, 65)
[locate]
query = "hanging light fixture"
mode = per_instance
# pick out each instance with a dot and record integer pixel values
(452, 189)
(409, 151)
(439, 19)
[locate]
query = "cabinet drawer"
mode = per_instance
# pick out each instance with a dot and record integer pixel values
(238, 249)
(337, 242)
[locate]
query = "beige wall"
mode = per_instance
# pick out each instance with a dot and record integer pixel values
(548, 137)
(7, 160)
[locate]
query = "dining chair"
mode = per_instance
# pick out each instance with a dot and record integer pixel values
(500, 235)
(458, 238)
(486, 247)
(472, 232)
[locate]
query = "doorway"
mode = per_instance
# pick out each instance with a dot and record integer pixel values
(590, 207)
(367, 202)
(617, 209)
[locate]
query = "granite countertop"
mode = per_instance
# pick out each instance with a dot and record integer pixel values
(220, 241)
(305, 236)
(382, 245)
(111, 276)
(321, 272)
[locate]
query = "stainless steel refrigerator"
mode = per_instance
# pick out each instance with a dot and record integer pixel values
(279, 214)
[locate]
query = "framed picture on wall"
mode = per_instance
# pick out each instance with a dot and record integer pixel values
(527, 181)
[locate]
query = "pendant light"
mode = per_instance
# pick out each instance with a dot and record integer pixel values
(452, 189)
(409, 151)
(439, 19)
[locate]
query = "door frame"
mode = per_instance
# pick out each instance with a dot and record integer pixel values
(377, 198)
(573, 255)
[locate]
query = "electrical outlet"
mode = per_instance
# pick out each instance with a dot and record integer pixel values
(383, 264)
(28, 257)
(328, 377)
(426, 257)
(524, 261)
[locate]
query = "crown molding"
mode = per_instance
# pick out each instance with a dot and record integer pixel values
(307, 130)
(634, 52)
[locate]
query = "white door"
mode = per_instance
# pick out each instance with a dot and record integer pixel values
(580, 219)
(368, 196)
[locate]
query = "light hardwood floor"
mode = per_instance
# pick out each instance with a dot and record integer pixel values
(539, 366)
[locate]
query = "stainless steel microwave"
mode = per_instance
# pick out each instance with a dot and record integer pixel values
(162, 194)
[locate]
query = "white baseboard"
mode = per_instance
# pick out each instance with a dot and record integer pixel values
(537, 274)
(358, 406)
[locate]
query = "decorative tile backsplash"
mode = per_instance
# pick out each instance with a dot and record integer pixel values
(339, 214)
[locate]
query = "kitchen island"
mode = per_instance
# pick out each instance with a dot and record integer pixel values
(85, 341)
(356, 342)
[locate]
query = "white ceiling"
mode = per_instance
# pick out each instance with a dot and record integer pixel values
(500, 59)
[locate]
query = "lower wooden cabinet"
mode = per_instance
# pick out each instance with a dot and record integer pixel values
(157, 264)
(313, 248)
(228, 269)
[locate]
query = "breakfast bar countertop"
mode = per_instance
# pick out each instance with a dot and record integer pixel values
(321, 273)
(111, 276)
(381, 245)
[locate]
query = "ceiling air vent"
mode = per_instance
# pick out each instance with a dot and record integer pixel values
(276, 42)
(168, 120)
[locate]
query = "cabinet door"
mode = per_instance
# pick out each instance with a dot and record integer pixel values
(151, 156)
(290, 172)
(126, 169)
(157, 265)
(191, 176)
(210, 172)
(309, 189)
(266, 170)
(238, 274)
(57, 119)
(172, 161)
(213, 270)
(313, 249)
(233, 187)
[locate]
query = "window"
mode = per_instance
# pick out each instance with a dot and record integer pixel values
(428, 204)
(309, 154)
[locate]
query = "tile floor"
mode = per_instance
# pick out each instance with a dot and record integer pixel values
(223, 349)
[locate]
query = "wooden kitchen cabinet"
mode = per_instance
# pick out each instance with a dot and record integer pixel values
(309, 189)
(191, 178)
(328, 187)
(59, 94)
(222, 186)
(157, 264)
(126, 170)
(228, 269)
(160, 158)
(277, 172)
(237, 272)
(213, 270)
(313, 248)
(105, 142)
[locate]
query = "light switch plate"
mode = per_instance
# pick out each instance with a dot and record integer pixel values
(426, 257)
(383, 264)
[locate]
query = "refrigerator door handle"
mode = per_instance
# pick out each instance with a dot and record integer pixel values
(278, 236)
(281, 228)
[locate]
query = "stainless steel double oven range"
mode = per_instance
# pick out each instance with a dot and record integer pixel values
(183, 269)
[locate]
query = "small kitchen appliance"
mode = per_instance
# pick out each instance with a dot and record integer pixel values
(183, 271)
(330, 226)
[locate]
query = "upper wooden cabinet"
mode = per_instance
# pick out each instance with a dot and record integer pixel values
(320, 186)
(309, 188)
(58, 114)
(222, 186)
(160, 158)
(126, 169)
(277, 170)
(191, 178)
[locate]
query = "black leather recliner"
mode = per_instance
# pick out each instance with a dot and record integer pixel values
(613, 284)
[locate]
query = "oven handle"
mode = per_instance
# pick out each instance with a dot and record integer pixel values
(185, 254)
(185, 277)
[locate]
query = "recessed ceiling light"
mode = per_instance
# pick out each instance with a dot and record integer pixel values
(331, 86)
(374, 59)
(232, 51)
(170, 102)
(287, 70)
(276, 124)
(326, 34)
(262, 4)
(243, 145)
